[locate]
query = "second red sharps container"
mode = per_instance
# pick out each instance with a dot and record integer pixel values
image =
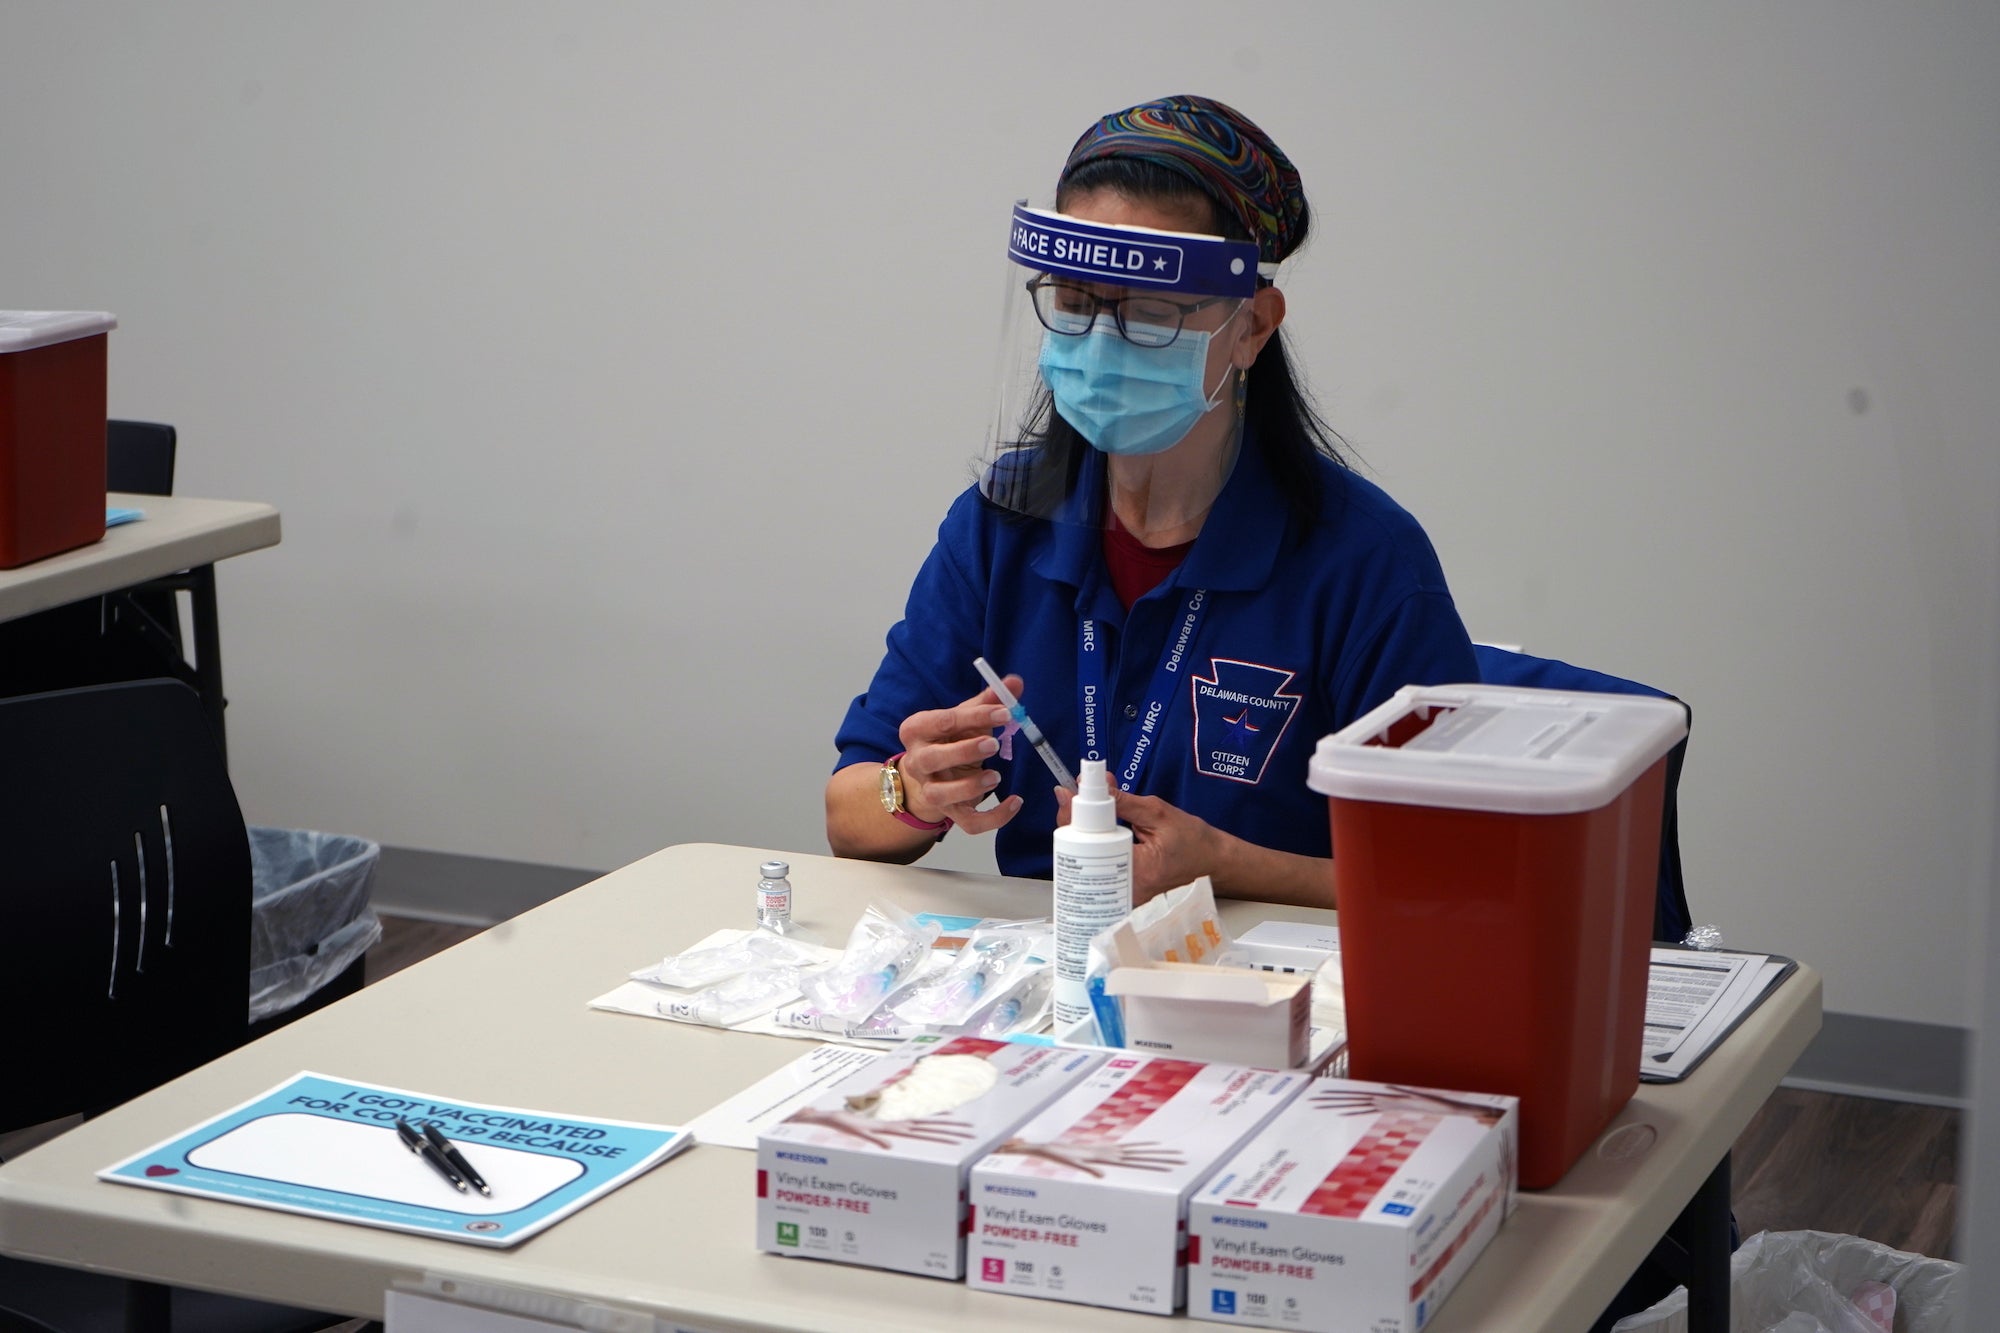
(1497, 855)
(52, 409)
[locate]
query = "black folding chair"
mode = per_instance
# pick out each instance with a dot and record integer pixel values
(125, 901)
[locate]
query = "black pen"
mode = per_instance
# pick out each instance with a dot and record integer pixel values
(425, 1149)
(455, 1157)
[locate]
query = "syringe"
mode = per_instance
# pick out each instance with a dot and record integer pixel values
(1064, 778)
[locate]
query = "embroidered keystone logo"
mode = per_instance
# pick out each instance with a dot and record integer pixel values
(1241, 711)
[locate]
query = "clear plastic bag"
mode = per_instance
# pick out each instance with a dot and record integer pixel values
(992, 958)
(884, 948)
(758, 950)
(1818, 1282)
(730, 1002)
(951, 995)
(309, 913)
(1021, 1007)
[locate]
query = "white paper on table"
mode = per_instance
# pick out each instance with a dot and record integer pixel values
(642, 998)
(1749, 976)
(1681, 989)
(735, 1122)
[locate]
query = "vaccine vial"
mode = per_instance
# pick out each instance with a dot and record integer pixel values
(774, 898)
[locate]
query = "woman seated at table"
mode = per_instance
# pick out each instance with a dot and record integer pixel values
(1164, 544)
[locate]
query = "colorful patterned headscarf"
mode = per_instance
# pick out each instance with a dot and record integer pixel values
(1216, 147)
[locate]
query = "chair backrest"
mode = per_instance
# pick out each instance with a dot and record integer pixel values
(139, 457)
(1502, 666)
(124, 897)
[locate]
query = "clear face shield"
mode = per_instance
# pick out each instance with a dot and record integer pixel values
(1119, 386)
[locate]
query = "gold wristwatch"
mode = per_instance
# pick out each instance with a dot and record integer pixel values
(892, 799)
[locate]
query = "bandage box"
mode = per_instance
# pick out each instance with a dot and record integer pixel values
(1198, 1011)
(1499, 856)
(52, 375)
(874, 1171)
(1088, 1201)
(1356, 1211)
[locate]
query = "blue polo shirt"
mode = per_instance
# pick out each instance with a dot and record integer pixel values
(1293, 635)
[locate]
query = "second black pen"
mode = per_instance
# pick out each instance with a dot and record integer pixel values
(437, 1140)
(414, 1140)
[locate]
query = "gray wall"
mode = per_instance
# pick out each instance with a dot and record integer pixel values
(613, 364)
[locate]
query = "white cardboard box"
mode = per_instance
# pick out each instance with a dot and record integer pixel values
(1284, 946)
(856, 1177)
(1357, 1210)
(1087, 1202)
(1195, 1011)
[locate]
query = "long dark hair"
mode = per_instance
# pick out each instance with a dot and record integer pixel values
(1288, 430)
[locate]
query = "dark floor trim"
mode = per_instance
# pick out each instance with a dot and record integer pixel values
(1885, 1057)
(469, 890)
(1853, 1054)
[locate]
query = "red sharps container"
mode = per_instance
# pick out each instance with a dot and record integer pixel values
(1497, 856)
(51, 431)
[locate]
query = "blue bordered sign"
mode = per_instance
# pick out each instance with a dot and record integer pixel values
(327, 1147)
(1169, 261)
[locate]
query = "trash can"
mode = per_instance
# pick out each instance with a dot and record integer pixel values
(309, 914)
(1819, 1282)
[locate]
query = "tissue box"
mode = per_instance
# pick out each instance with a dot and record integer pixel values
(873, 1173)
(1087, 1202)
(1200, 1011)
(1356, 1211)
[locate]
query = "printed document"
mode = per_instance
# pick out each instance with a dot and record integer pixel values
(1695, 998)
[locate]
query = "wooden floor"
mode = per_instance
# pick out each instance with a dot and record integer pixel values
(1809, 1161)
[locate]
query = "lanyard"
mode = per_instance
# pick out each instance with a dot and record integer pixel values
(1159, 695)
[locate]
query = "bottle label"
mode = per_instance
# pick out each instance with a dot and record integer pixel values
(1092, 894)
(778, 900)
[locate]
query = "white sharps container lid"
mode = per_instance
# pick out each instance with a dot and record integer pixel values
(1497, 747)
(25, 330)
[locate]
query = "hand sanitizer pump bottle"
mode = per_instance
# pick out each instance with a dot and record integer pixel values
(1093, 870)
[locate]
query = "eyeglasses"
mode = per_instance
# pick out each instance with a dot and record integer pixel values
(1148, 321)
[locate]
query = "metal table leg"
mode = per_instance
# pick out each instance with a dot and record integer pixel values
(1695, 1252)
(208, 652)
(1704, 1224)
(148, 1307)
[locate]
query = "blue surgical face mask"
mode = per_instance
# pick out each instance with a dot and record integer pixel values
(1127, 399)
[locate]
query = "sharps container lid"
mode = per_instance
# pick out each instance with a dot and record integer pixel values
(25, 330)
(1497, 747)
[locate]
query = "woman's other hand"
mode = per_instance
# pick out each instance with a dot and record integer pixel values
(1170, 847)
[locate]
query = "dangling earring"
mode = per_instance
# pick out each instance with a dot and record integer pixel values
(1242, 391)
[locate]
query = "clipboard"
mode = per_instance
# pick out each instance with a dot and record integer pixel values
(1714, 1029)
